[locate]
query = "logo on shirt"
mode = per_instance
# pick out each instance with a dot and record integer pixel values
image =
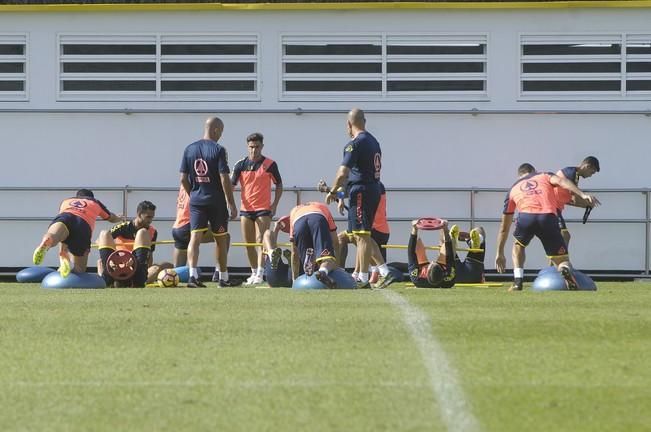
(377, 163)
(201, 171)
(78, 204)
(348, 148)
(530, 187)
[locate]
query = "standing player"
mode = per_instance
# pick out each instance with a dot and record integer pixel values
(256, 173)
(360, 174)
(534, 198)
(205, 177)
(586, 169)
(73, 229)
(313, 234)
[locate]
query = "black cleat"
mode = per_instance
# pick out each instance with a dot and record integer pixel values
(195, 283)
(230, 283)
(275, 257)
(325, 280)
(570, 280)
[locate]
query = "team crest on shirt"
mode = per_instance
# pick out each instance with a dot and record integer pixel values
(325, 252)
(348, 148)
(78, 204)
(200, 167)
(414, 272)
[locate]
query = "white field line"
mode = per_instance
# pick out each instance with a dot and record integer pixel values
(455, 411)
(221, 384)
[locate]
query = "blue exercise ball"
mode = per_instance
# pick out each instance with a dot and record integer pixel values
(305, 282)
(33, 274)
(343, 279)
(552, 280)
(585, 282)
(183, 272)
(546, 270)
(74, 280)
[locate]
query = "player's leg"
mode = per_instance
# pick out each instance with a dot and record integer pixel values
(262, 224)
(198, 226)
(525, 226)
(105, 246)
(270, 249)
(219, 226)
(556, 249)
(324, 247)
(181, 236)
(141, 252)
(56, 233)
(247, 226)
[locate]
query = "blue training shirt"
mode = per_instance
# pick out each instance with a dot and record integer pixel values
(364, 158)
(203, 161)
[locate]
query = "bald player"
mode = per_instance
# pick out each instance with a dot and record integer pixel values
(359, 175)
(533, 196)
(205, 177)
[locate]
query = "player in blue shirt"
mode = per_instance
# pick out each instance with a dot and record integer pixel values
(205, 177)
(359, 173)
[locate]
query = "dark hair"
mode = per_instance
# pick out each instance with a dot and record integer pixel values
(145, 205)
(255, 136)
(526, 168)
(591, 162)
(85, 193)
(435, 274)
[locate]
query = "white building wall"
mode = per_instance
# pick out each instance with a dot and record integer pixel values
(51, 143)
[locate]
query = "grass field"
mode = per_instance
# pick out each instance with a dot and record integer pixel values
(248, 359)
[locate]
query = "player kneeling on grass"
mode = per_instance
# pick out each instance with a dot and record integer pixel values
(312, 231)
(73, 228)
(448, 268)
(277, 272)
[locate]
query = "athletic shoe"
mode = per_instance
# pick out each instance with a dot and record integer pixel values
(195, 283)
(570, 280)
(39, 254)
(325, 280)
(454, 232)
(363, 285)
(384, 281)
(230, 283)
(475, 239)
(254, 280)
(288, 256)
(64, 266)
(517, 286)
(275, 257)
(308, 265)
(374, 277)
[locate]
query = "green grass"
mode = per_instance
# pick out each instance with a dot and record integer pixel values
(281, 360)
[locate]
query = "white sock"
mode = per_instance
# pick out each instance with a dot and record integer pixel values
(260, 271)
(355, 275)
(323, 269)
(383, 269)
(194, 272)
(363, 277)
(518, 273)
(223, 276)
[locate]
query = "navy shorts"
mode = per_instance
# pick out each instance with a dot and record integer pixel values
(312, 231)
(545, 227)
(561, 222)
(79, 233)
(363, 203)
(181, 236)
(253, 215)
(215, 215)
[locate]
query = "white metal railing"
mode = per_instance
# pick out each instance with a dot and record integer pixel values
(472, 192)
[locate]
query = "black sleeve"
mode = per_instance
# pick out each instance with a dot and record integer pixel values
(275, 173)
